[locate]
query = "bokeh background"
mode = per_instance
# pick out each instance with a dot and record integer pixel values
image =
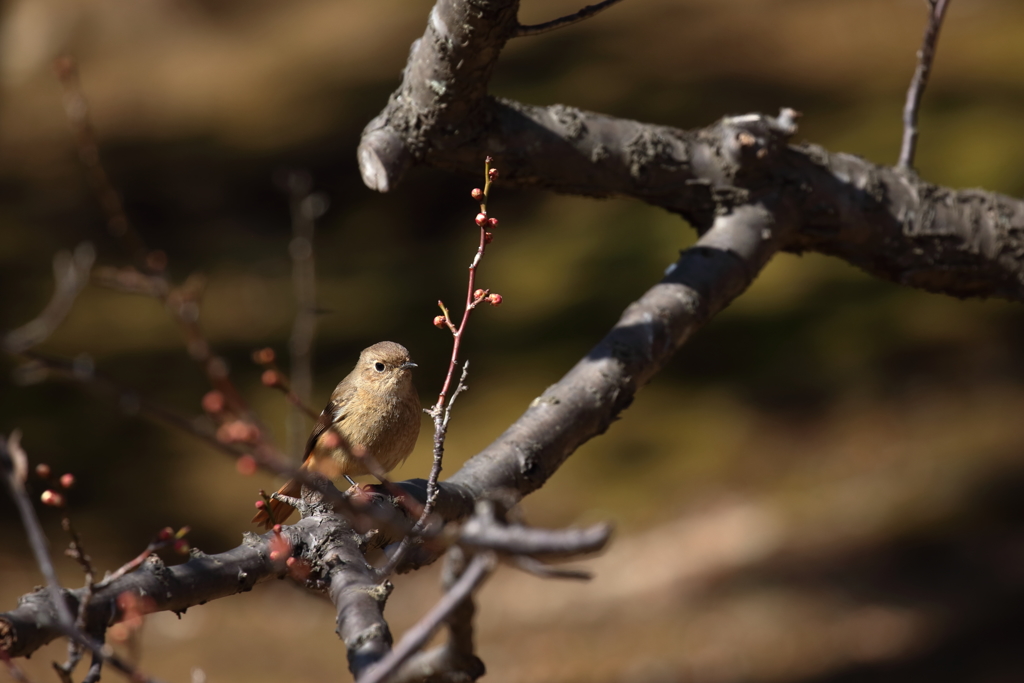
(826, 485)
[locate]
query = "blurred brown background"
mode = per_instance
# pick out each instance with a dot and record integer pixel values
(827, 485)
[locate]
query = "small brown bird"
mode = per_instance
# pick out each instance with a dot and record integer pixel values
(374, 413)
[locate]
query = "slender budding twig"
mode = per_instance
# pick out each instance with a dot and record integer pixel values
(441, 411)
(925, 57)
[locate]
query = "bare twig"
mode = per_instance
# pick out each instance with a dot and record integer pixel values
(77, 552)
(166, 538)
(306, 207)
(12, 668)
(562, 22)
(13, 462)
(77, 110)
(522, 540)
(925, 57)
(478, 570)
(71, 273)
(546, 571)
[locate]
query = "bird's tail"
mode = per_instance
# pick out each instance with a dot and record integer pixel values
(279, 510)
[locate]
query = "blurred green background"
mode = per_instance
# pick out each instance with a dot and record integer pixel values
(825, 485)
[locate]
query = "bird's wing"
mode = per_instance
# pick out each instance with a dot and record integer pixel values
(334, 412)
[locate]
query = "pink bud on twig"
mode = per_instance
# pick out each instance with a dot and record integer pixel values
(492, 223)
(271, 378)
(43, 471)
(488, 237)
(181, 546)
(165, 534)
(481, 219)
(67, 480)
(52, 498)
(213, 402)
(493, 174)
(439, 321)
(494, 299)
(477, 194)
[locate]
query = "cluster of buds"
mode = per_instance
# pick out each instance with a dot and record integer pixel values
(51, 496)
(176, 539)
(481, 295)
(482, 220)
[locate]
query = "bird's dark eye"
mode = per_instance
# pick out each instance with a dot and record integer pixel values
(378, 366)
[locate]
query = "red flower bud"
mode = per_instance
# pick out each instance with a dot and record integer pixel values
(181, 546)
(271, 378)
(277, 529)
(488, 237)
(493, 174)
(479, 294)
(52, 498)
(213, 402)
(67, 480)
(494, 299)
(260, 505)
(477, 194)
(488, 159)
(481, 219)
(165, 534)
(246, 465)
(492, 222)
(43, 471)
(439, 321)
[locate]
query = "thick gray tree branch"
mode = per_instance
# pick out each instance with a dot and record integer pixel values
(896, 226)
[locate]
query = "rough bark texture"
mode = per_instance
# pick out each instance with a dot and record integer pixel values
(887, 221)
(201, 579)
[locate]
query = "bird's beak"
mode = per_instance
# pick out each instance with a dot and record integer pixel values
(407, 366)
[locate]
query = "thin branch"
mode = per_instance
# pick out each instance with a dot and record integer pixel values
(12, 462)
(71, 273)
(13, 459)
(562, 22)
(522, 540)
(16, 673)
(925, 57)
(546, 571)
(441, 412)
(77, 111)
(479, 569)
(306, 207)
